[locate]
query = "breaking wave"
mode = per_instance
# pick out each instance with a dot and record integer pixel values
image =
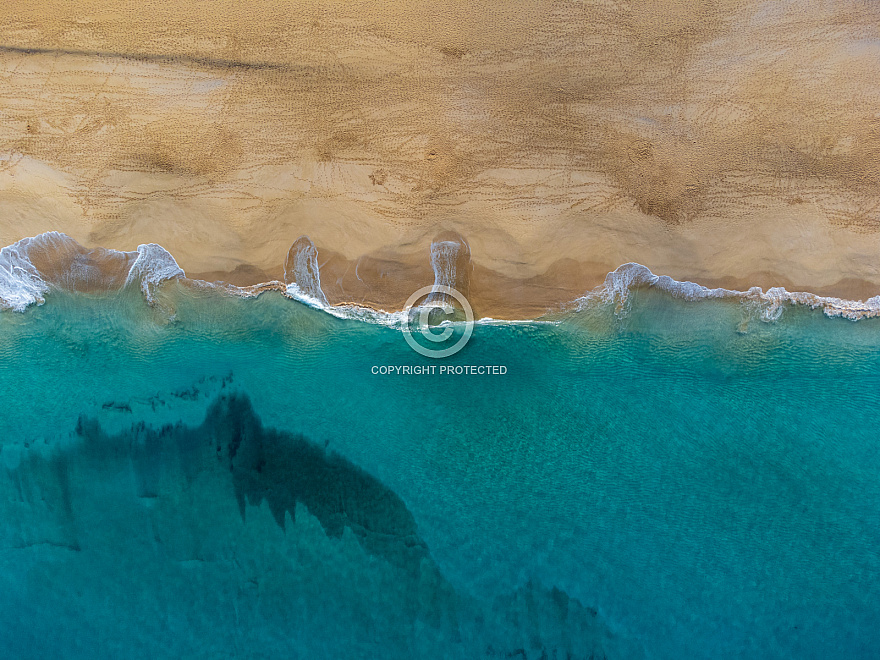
(32, 267)
(620, 283)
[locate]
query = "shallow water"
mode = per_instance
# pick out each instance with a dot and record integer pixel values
(214, 476)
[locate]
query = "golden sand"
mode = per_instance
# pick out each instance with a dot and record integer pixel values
(729, 143)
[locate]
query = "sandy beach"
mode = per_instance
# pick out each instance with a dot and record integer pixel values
(728, 143)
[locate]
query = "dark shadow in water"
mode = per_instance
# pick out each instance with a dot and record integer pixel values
(281, 468)
(49, 501)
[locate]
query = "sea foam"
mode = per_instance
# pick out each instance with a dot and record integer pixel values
(301, 269)
(618, 284)
(32, 266)
(20, 282)
(153, 265)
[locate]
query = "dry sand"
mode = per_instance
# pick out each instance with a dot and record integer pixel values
(730, 143)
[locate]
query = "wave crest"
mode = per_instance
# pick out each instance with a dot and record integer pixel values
(33, 266)
(153, 265)
(20, 282)
(618, 285)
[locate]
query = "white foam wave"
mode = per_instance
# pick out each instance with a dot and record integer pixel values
(20, 282)
(351, 311)
(301, 268)
(444, 256)
(348, 311)
(67, 265)
(618, 285)
(153, 265)
(488, 320)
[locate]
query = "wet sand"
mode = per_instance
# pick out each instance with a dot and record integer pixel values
(729, 143)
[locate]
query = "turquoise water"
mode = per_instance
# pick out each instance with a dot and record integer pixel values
(221, 477)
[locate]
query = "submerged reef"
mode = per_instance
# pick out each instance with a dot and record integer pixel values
(239, 536)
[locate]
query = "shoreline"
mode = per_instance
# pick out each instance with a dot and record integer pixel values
(30, 268)
(541, 295)
(724, 145)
